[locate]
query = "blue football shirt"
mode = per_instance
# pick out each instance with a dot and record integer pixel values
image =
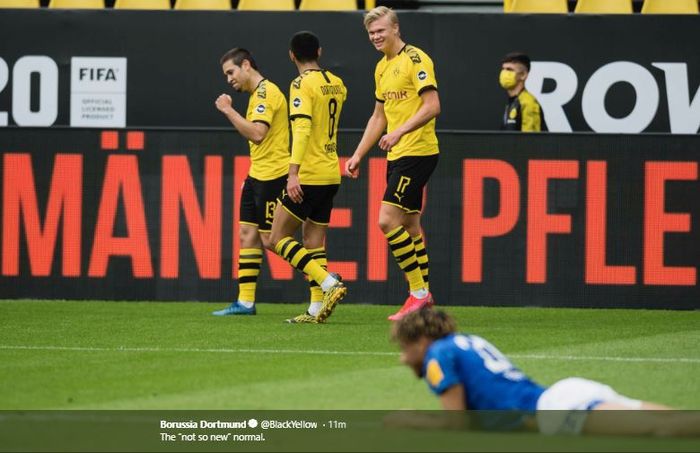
(490, 381)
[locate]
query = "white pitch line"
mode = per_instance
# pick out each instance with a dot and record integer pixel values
(219, 350)
(605, 359)
(351, 353)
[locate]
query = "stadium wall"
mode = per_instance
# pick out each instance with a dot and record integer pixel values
(576, 220)
(115, 68)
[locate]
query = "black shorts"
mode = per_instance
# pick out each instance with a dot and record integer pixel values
(316, 206)
(405, 179)
(258, 201)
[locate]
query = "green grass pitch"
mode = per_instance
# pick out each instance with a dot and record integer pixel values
(132, 355)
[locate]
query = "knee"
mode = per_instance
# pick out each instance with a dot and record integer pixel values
(313, 241)
(244, 233)
(411, 222)
(386, 224)
(307, 239)
(413, 230)
(248, 236)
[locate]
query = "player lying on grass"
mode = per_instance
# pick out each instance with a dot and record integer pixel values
(468, 372)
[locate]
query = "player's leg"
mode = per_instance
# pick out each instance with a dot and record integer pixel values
(416, 172)
(314, 239)
(624, 416)
(284, 227)
(289, 216)
(250, 253)
(404, 252)
(265, 239)
(253, 237)
(413, 227)
(320, 199)
(391, 218)
(576, 405)
(316, 233)
(266, 207)
(403, 195)
(250, 256)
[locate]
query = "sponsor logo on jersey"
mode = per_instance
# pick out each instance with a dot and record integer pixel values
(296, 102)
(434, 373)
(395, 95)
(260, 108)
(422, 75)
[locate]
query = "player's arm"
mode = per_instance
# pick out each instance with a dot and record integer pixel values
(429, 109)
(301, 133)
(454, 416)
(374, 129)
(453, 399)
(253, 131)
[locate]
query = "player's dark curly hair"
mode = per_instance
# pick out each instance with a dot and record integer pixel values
(425, 322)
(237, 55)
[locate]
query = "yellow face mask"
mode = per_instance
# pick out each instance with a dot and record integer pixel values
(507, 79)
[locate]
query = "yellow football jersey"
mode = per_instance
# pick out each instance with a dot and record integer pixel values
(399, 83)
(270, 159)
(319, 96)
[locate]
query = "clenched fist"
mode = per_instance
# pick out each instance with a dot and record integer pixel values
(224, 103)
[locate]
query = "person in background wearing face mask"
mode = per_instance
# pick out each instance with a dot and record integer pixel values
(523, 113)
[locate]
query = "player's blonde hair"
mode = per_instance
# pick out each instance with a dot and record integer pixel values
(379, 12)
(425, 322)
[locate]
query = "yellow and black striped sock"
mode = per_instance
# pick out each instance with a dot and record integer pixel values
(301, 259)
(318, 255)
(404, 252)
(422, 257)
(249, 261)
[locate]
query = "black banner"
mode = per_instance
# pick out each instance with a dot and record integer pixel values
(337, 431)
(574, 220)
(611, 73)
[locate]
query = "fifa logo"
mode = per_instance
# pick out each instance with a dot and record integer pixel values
(98, 74)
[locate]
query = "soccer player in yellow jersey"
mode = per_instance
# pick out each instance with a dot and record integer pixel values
(265, 127)
(406, 105)
(316, 99)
